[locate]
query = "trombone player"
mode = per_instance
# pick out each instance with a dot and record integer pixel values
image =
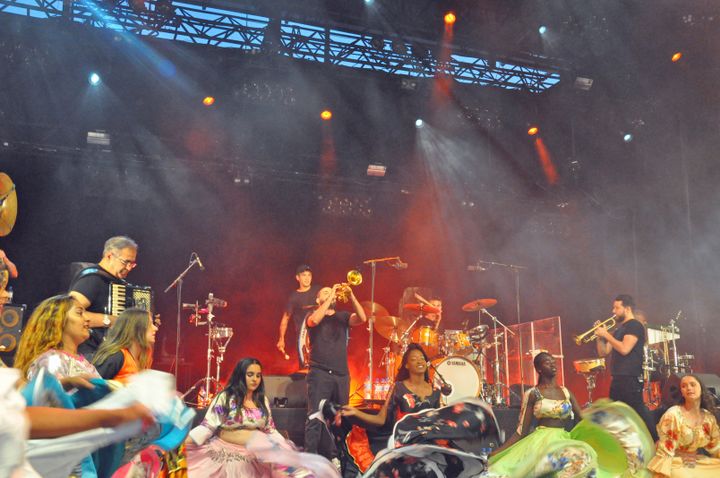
(625, 345)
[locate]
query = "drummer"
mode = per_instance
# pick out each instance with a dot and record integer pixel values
(432, 316)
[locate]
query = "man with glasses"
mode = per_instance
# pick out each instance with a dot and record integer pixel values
(90, 288)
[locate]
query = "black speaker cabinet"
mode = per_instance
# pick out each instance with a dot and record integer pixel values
(291, 387)
(11, 322)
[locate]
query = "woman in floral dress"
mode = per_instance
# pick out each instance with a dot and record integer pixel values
(684, 429)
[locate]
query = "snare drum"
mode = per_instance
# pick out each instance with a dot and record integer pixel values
(461, 374)
(428, 338)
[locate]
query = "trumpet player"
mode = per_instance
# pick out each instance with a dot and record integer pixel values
(625, 346)
(328, 376)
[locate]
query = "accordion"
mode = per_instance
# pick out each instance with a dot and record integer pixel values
(125, 296)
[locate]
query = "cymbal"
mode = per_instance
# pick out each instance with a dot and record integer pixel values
(421, 308)
(8, 204)
(369, 307)
(479, 304)
(388, 324)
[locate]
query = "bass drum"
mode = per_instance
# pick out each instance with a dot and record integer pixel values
(461, 374)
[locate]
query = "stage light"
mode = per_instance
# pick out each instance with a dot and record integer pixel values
(209, 100)
(627, 137)
(94, 79)
(533, 130)
(369, 2)
(542, 30)
(326, 115)
(419, 123)
(450, 18)
(676, 57)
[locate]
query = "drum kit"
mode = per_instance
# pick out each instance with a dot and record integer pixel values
(459, 357)
(218, 338)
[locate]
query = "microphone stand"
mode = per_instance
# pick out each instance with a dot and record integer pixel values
(371, 320)
(515, 269)
(178, 282)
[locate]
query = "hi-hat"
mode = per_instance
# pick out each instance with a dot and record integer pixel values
(390, 327)
(374, 309)
(421, 308)
(8, 204)
(479, 304)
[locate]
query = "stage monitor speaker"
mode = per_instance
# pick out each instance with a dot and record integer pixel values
(291, 387)
(11, 322)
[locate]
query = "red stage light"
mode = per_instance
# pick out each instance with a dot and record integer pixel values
(326, 115)
(450, 18)
(533, 130)
(208, 100)
(676, 56)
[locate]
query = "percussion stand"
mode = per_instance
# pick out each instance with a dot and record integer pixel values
(178, 282)
(496, 366)
(208, 378)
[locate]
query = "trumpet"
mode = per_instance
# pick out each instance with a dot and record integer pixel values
(354, 278)
(589, 336)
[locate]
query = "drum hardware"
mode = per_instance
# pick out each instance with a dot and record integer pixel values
(498, 397)
(373, 309)
(422, 308)
(354, 278)
(589, 368)
(589, 336)
(218, 338)
(478, 304)
(390, 327)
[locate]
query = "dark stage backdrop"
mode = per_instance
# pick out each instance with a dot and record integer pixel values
(251, 238)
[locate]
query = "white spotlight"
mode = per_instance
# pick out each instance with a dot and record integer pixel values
(419, 123)
(94, 79)
(542, 30)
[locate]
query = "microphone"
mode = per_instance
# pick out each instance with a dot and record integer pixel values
(476, 268)
(398, 264)
(445, 388)
(199, 262)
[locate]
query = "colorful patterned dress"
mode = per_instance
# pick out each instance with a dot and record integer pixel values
(611, 440)
(678, 436)
(210, 456)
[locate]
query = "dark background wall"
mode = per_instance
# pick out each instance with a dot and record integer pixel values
(254, 187)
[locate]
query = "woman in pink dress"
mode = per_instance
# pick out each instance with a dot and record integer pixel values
(237, 437)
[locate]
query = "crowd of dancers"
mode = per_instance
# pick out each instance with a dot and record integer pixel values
(107, 413)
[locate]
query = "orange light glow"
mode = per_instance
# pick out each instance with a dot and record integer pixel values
(208, 100)
(533, 130)
(326, 115)
(676, 56)
(450, 18)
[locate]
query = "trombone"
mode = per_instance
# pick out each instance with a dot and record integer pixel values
(589, 336)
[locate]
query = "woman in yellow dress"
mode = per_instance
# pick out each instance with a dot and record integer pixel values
(684, 429)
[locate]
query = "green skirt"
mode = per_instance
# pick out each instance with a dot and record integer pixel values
(611, 441)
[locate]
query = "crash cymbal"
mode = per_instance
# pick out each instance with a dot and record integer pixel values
(479, 304)
(421, 308)
(373, 308)
(8, 204)
(388, 325)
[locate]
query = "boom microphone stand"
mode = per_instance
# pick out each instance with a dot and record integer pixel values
(179, 282)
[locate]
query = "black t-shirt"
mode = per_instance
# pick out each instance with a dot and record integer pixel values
(111, 366)
(630, 364)
(328, 343)
(299, 303)
(94, 283)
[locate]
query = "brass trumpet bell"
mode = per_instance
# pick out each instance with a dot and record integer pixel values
(354, 278)
(589, 336)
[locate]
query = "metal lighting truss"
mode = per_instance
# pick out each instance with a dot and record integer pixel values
(343, 46)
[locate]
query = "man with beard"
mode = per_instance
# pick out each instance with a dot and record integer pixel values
(328, 377)
(625, 347)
